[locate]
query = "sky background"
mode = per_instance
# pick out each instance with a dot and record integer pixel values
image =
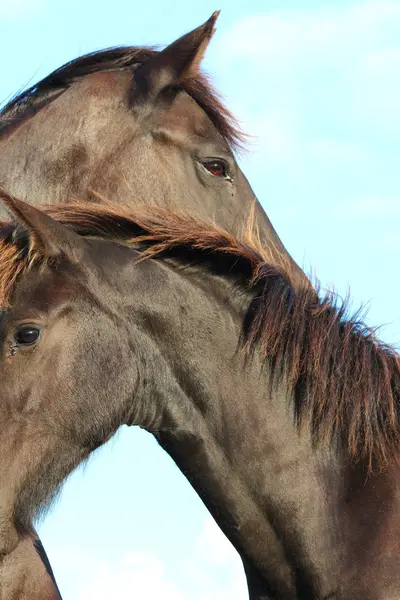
(317, 85)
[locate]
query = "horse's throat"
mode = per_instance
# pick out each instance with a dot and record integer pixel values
(236, 510)
(283, 534)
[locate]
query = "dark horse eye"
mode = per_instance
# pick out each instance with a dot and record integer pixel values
(217, 168)
(26, 335)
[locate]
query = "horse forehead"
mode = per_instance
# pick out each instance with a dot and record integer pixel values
(106, 84)
(46, 290)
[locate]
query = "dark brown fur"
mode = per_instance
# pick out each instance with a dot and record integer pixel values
(344, 380)
(88, 125)
(198, 87)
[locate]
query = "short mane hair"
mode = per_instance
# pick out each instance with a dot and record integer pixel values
(345, 383)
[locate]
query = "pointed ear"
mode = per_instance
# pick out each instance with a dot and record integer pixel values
(47, 237)
(176, 62)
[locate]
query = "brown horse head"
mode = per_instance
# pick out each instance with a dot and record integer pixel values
(141, 126)
(283, 414)
(138, 126)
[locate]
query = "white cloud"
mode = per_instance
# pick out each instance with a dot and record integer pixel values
(368, 210)
(276, 133)
(213, 547)
(322, 74)
(286, 38)
(20, 9)
(212, 572)
(136, 576)
(386, 208)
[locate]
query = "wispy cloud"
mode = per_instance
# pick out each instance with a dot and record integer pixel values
(323, 73)
(287, 40)
(212, 572)
(382, 208)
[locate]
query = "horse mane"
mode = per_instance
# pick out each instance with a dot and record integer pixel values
(28, 102)
(345, 383)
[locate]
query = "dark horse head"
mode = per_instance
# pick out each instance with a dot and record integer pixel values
(281, 411)
(136, 125)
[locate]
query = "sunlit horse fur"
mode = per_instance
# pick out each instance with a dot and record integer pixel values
(136, 125)
(282, 413)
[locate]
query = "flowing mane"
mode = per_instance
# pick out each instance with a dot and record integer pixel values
(27, 103)
(345, 382)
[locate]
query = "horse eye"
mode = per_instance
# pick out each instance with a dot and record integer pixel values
(217, 168)
(26, 335)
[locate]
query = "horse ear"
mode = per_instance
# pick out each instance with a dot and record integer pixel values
(176, 62)
(47, 237)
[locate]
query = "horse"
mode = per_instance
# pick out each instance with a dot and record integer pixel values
(280, 409)
(137, 125)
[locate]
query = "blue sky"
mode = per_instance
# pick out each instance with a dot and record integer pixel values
(316, 84)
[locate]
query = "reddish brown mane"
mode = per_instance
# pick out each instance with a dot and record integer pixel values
(13, 263)
(345, 382)
(116, 59)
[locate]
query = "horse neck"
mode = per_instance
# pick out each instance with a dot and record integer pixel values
(237, 447)
(300, 518)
